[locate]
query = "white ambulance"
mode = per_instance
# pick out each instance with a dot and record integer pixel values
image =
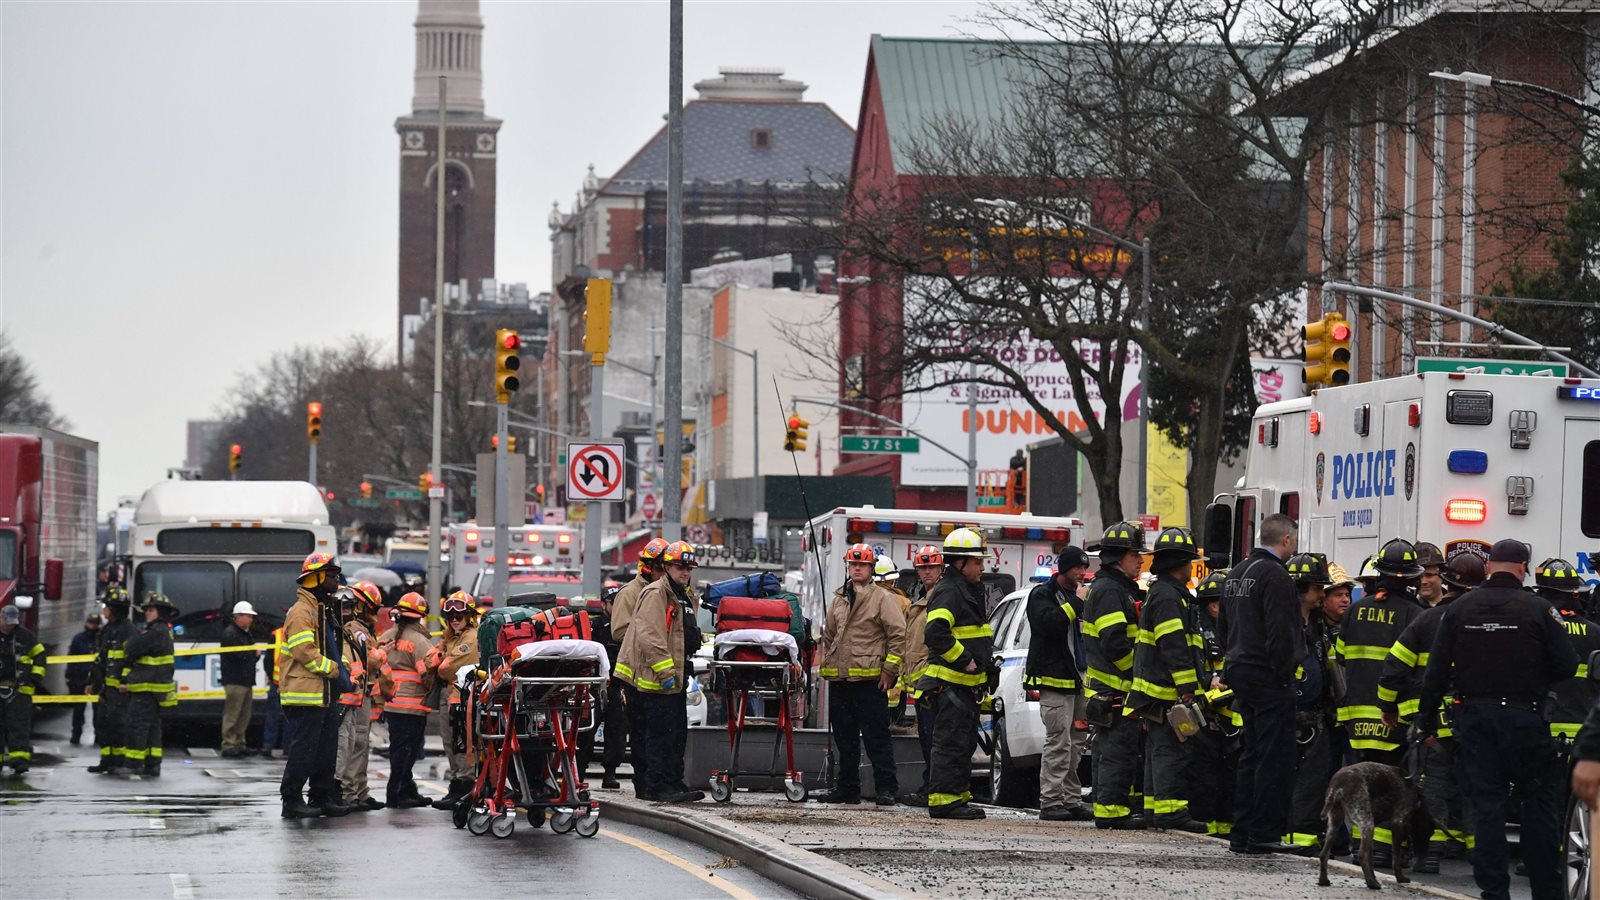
(470, 549)
(1458, 459)
(1018, 545)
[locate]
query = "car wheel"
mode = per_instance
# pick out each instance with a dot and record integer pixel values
(1575, 850)
(1009, 784)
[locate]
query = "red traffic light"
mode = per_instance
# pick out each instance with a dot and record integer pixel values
(313, 408)
(236, 449)
(794, 421)
(511, 341)
(1341, 332)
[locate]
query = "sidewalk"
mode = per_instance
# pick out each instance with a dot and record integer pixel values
(1012, 853)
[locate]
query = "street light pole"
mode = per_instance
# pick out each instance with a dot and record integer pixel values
(1481, 80)
(672, 506)
(1144, 379)
(435, 508)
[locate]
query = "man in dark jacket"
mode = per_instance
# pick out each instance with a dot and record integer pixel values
(1265, 639)
(1052, 670)
(1110, 630)
(238, 679)
(78, 673)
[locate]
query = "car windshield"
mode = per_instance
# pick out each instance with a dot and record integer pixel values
(8, 555)
(399, 555)
(201, 591)
(562, 584)
(269, 586)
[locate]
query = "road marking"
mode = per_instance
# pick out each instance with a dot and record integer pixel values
(721, 884)
(182, 887)
(158, 825)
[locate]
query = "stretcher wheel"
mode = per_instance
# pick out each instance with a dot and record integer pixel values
(478, 822)
(589, 825)
(462, 812)
(794, 791)
(562, 821)
(502, 826)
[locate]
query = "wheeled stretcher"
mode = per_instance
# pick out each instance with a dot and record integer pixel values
(526, 712)
(757, 664)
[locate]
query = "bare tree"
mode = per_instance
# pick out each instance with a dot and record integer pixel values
(22, 401)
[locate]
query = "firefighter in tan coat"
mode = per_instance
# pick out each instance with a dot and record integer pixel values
(406, 681)
(355, 730)
(653, 661)
(457, 650)
(863, 645)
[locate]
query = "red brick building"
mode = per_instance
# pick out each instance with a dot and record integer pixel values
(449, 36)
(1433, 188)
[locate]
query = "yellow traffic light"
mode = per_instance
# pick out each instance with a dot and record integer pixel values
(795, 438)
(1327, 350)
(511, 443)
(424, 481)
(507, 345)
(313, 421)
(235, 458)
(597, 319)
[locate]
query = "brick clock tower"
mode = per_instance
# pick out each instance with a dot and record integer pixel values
(449, 43)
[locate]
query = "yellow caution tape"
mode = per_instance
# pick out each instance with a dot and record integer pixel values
(259, 692)
(196, 651)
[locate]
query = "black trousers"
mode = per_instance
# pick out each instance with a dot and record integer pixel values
(1118, 757)
(16, 728)
(1442, 794)
(614, 717)
(925, 738)
(1167, 781)
(1499, 746)
(663, 716)
(638, 740)
(110, 726)
(859, 713)
(142, 718)
(79, 710)
(955, 737)
(406, 734)
(313, 754)
(1264, 792)
(1213, 767)
(1314, 750)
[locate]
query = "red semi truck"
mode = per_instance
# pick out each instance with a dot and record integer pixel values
(48, 485)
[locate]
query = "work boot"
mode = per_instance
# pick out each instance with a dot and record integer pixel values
(20, 768)
(333, 809)
(152, 769)
(407, 801)
(838, 795)
(1191, 825)
(299, 809)
(955, 811)
(1382, 856)
(884, 800)
(105, 766)
(459, 788)
(1122, 823)
(682, 797)
(1429, 864)
(372, 803)
(610, 782)
(916, 798)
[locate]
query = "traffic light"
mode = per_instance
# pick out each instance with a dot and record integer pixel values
(511, 443)
(313, 421)
(366, 490)
(424, 481)
(538, 491)
(506, 363)
(597, 319)
(235, 458)
(795, 438)
(1327, 350)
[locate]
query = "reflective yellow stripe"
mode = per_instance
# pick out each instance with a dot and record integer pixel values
(298, 638)
(948, 799)
(1185, 676)
(1072, 614)
(662, 665)
(153, 661)
(972, 631)
(1387, 695)
(157, 688)
(1115, 682)
(1409, 708)
(942, 615)
(1048, 681)
(1108, 620)
(1583, 671)
(1346, 713)
(1167, 807)
(954, 653)
(873, 672)
(892, 659)
(1152, 689)
(1363, 651)
(971, 679)
(828, 672)
(314, 698)
(1170, 626)
(1300, 839)
(1403, 653)
(624, 670)
(1565, 729)
(1108, 811)
(1381, 835)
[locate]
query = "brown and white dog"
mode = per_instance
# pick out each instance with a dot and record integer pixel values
(1368, 795)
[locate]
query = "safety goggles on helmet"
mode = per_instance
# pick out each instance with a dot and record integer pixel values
(679, 553)
(860, 553)
(927, 556)
(458, 604)
(411, 606)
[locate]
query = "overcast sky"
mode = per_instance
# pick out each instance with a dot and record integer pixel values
(188, 188)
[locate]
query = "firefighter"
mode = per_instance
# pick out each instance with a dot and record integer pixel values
(1052, 670)
(1315, 699)
(312, 678)
(1430, 584)
(1216, 747)
(147, 667)
(457, 650)
(406, 680)
(1110, 627)
(105, 682)
(1558, 582)
(1166, 671)
(959, 671)
(1370, 628)
(652, 660)
(21, 673)
(928, 562)
(355, 728)
(863, 637)
(1399, 694)
(886, 574)
(622, 608)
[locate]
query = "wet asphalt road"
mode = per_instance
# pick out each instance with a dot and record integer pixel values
(211, 828)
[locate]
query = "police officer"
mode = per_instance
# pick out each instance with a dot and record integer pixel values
(1399, 695)
(1052, 670)
(1501, 649)
(147, 668)
(1264, 637)
(1110, 629)
(105, 682)
(1166, 671)
(959, 671)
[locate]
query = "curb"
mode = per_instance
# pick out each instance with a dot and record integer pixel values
(803, 871)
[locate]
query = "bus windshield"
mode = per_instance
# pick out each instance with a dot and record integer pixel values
(269, 586)
(201, 590)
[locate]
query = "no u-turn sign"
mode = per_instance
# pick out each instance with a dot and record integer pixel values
(594, 471)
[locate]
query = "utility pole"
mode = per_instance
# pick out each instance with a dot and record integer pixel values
(435, 507)
(597, 341)
(672, 505)
(1144, 381)
(972, 437)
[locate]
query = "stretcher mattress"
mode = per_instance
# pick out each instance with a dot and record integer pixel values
(773, 643)
(564, 649)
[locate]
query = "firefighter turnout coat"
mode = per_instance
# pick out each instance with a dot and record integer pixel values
(957, 633)
(1370, 629)
(1167, 653)
(310, 668)
(404, 675)
(1110, 631)
(863, 634)
(652, 655)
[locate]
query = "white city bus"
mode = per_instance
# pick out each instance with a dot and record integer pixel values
(206, 545)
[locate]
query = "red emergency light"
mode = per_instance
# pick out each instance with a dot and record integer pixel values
(1466, 511)
(1314, 423)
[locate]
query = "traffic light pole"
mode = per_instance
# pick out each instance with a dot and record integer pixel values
(435, 507)
(593, 512)
(313, 478)
(502, 500)
(672, 403)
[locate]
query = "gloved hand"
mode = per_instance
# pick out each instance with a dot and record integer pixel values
(993, 675)
(669, 683)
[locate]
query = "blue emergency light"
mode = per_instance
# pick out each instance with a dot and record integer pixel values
(1578, 392)
(1468, 462)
